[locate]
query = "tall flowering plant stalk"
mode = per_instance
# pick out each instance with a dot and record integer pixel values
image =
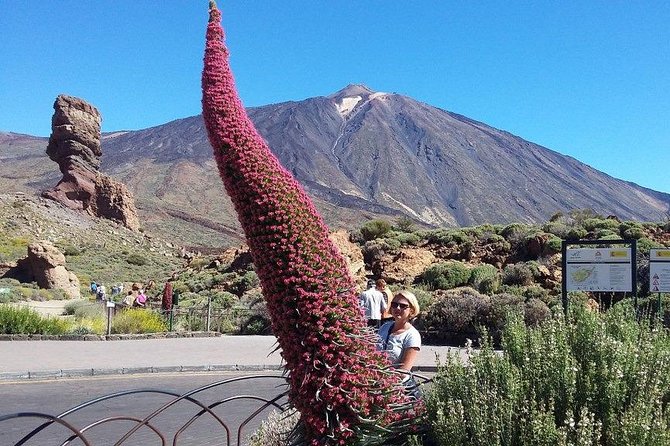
(166, 301)
(338, 381)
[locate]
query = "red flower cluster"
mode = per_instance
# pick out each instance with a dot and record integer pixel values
(338, 381)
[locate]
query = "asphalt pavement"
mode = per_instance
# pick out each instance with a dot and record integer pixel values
(47, 359)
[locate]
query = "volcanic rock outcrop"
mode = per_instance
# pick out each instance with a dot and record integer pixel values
(75, 145)
(45, 264)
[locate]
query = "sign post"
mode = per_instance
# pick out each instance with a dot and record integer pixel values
(597, 269)
(110, 309)
(659, 274)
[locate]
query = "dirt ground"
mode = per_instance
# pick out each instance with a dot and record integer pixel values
(49, 307)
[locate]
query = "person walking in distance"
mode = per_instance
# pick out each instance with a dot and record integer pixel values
(381, 286)
(374, 304)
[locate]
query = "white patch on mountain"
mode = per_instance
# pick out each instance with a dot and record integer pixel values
(345, 106)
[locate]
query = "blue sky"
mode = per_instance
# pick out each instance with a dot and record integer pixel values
(589, 79)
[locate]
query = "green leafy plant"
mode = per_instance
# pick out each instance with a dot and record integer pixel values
(24, 320)
(447, 275)
(517, 274)
(375, 229)
(592, 380)
(138, 320)
(485, 279)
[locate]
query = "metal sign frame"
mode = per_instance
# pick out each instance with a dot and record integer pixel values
(564, 263)
(657, 261)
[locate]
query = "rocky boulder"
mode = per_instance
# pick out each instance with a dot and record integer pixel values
(404, 266)
(45, 265)
(75, 145)
(351, 252)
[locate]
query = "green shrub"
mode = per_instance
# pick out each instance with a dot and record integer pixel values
(633, 232)
(256, 325)
(404, 224)
(244, 283)
(223, 299)
(90, 325)
(424, 297)
(593, 224)
(536, 311)
(517, 274)
(455, 316)
(644, 245)
(606, 234)
(138, 320)
(554, 245)
(485, 278)
(25, 320)
(502, 305)
(590, 380)
(514, 231)
(71, 250)
(136, 259)
(276, 429)
(560, 230)
(408, 239)
(535, 292)
(447, 275)
(447, 237)
(375, 229)
(576, 233)
(579, 216)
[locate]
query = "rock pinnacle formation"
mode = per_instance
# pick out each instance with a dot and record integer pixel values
(75, 145)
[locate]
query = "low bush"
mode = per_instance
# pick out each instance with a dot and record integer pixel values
(136, 259)
(24, 320)
(90, 325)
(137, 321)
(517, 274)
(447, 237)
(375, 229)
(593, 224)
(485, 279)
(590, 380)
(560, 230)
(404, 224)
(455, 316)
(447, 275)
(275, 430)
(576, 233)
(408, 239)
(535, 312)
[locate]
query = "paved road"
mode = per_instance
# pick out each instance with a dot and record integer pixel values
(57, 396)
(56, 359)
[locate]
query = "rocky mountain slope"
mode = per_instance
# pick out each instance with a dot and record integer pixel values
(360, 154)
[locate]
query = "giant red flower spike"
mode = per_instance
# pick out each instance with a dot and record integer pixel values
(338, 381)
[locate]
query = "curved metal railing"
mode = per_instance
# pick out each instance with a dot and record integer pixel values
(202, 411)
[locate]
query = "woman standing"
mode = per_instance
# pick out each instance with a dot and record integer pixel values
(398, 338)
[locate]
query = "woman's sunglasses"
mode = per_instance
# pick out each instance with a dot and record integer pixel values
(399, 305)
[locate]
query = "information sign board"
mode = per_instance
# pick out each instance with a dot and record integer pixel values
(659, 270)
(599, 269)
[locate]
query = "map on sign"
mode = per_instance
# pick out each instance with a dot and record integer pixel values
(659, 270)
(599, 269)
(585, 275)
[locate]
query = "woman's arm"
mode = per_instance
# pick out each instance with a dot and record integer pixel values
(408, 357)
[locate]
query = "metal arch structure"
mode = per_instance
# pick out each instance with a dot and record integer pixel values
(194, 406)
(165, 425)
